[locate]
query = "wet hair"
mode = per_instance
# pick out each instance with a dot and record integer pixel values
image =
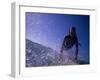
(72, 31)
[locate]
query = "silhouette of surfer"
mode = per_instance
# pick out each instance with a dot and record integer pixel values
(69, 41)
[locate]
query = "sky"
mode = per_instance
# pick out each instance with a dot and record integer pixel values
(50, 29)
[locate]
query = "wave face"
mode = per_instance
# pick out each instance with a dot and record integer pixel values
(39, 55)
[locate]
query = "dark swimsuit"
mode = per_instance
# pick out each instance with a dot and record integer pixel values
(69, 42)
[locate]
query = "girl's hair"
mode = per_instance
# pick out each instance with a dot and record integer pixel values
(72, 31)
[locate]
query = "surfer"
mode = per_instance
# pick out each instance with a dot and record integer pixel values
(69, 41)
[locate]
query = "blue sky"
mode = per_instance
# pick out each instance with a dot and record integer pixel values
(49, 29)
